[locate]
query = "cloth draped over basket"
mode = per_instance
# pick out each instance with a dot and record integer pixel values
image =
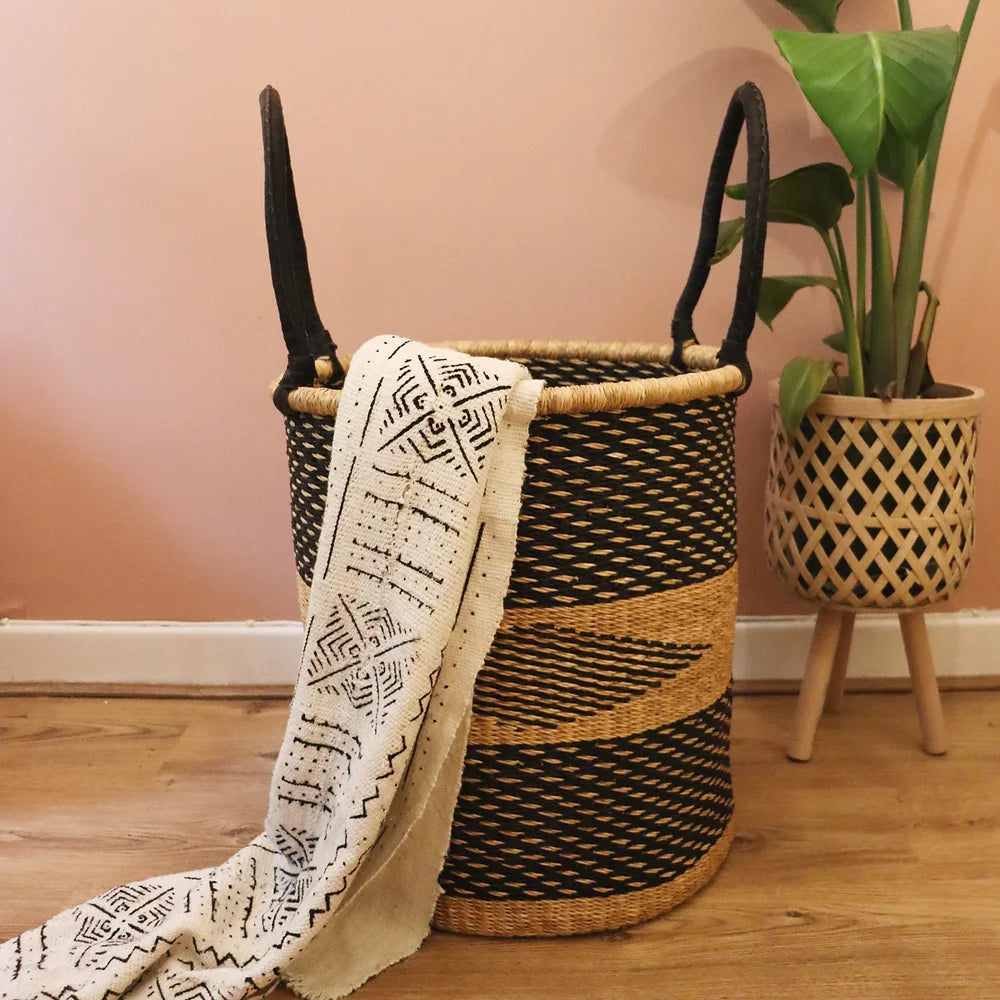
(413, 561)
(596, 788)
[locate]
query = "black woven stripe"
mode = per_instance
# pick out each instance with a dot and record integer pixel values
(583, 371)
(623, 504)
(529, 669)
(591, 818)
(308, 441)
(615, 505)
(626, 649)
(542, 676)
(512, 702)
(612, 662)
(580, 670)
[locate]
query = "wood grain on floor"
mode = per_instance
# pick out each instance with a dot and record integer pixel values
(873, 871)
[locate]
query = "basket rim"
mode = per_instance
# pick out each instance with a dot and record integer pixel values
(703, 381)
(595, 350)
(967, 403)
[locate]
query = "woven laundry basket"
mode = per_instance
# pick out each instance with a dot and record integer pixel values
(870, 504)
(596, 790)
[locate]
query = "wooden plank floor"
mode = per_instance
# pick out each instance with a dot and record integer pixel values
(872, 872)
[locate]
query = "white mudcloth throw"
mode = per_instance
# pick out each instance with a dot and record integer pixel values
(413, 563)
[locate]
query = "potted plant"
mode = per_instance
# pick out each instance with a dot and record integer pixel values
(871, 479)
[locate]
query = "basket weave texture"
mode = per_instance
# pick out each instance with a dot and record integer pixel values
(596, 789)
(870, 504)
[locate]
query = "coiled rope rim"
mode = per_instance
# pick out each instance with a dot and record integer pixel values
(703, 381)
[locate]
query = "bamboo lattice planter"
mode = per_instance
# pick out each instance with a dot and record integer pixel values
(870, 506)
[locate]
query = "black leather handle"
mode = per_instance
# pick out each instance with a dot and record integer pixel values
(746, 106)
(312, 355)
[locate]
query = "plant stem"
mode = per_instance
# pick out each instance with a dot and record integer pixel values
(882, 342)
(845, 305)
(842, 256)
(905, 17)
(941, 116)
(918, 358)
(917, 215)
(854, 356)
(911, 255)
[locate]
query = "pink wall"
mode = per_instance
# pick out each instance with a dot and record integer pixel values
(466, 169)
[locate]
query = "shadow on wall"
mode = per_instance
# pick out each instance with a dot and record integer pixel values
(988, 123)
(86, 540)
(873, 15)
(660, 144)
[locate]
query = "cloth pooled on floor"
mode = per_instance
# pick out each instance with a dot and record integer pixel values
(412, 567)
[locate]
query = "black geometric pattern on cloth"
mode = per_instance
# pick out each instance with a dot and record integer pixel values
(638, 502)
(363, 654)
(124, 913)
(572, 820)
(547, 675)
(295, 844)
(188, 991)
(173, 988)
(444, 410)
(289, 887)
(320, 767)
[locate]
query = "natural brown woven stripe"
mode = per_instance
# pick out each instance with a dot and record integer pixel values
(701, 613)
(695, 355)
(694, 611)
(700, 356)
(303, 589)
(556, 918)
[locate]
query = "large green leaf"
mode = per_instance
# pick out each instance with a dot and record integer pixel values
(816, 15)
(857, 82)
(801, 382)
(730, 234)
(776, 293)
(810, 196)
(893, 163)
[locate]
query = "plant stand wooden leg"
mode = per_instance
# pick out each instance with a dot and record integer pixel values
(838, 676)
(934, 739)
(809, 707)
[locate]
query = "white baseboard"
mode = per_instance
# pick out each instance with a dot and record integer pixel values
(965, 644)
(183, 653)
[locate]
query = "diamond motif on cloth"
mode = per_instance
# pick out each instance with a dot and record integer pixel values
(124, 913)
(363, 654)
(444, 411)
